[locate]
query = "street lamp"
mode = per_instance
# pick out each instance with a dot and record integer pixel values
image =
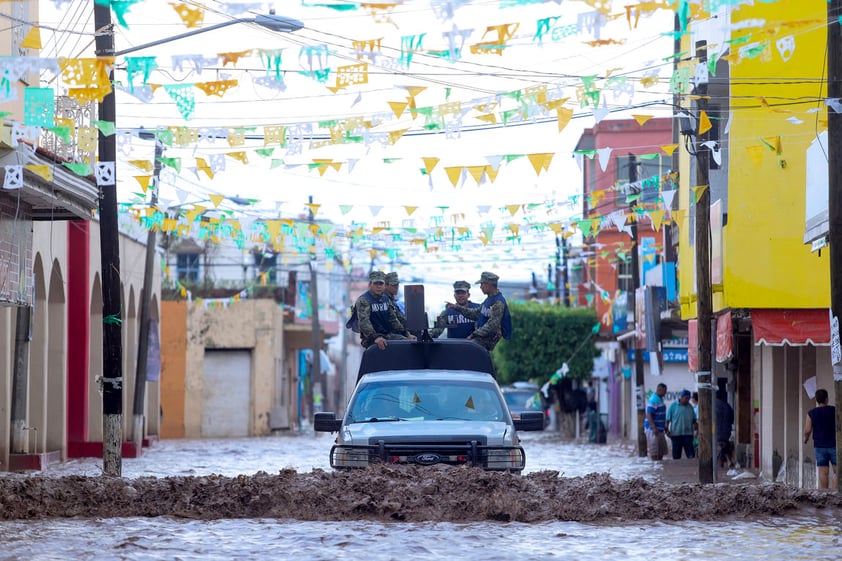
(112, 378)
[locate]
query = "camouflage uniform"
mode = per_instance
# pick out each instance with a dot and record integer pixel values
(456, 324)
(376, 316)
(490, 315)
(392, 280)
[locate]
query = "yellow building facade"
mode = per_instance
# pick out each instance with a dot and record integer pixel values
(766, 95)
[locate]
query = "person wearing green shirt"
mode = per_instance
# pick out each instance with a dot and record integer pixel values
(681, 425)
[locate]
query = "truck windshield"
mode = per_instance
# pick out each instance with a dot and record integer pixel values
(416, 400)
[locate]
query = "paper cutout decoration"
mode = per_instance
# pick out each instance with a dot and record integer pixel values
(43, 171)
(698, 190)
(191, 16)
(39, 107)
(144, 181)
(564, 115)
(430, 164)
(88, 78)
(704, 123)
(184, 98)
(14, 177)
(669, 148)
(32, 39)
(82, 169)
(105, 175)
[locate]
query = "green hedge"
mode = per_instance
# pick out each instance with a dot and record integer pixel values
(545, 336)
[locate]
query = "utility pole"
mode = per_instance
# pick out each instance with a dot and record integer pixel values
(145, 310)
(639, 378)
(558, 301)
(20, 378)
(112, 328)
(315, 362)
(565, 295)
(834, 207)
(704, 297)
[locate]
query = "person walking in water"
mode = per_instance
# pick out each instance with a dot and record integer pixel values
(821, 424)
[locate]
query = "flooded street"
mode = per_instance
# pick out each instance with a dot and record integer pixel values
(612, 530)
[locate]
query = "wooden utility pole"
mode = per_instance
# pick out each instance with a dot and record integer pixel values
(834, 206)
(639, 377)
(704, 296)
(112, 320)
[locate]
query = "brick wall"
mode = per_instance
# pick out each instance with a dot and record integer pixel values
(15, 250)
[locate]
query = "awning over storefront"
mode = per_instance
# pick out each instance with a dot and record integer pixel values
(791, 327)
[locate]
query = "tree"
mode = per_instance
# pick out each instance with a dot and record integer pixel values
(543, 338)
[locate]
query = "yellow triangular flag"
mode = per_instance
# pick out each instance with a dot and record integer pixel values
(202, 165)
(657, 217)
(216, 199)
(669, 148)
(678, 216)
(489, 118)
(239, 156)
(540, 161)
(43, 171)
(430, 164)
(414, 90)
(476, 172)
(564, 116)
(454, 173)
(314, 208)
(194, 213)
(398, 107)
(32, 39)
(394, 136)
(470, 403)
(697, 191)
(145, 165)
(515, 228)
(144, 181)
(410, 209)
(755, 154)
(491, 173)
(704, 123)
(641, 119)
(513, 209)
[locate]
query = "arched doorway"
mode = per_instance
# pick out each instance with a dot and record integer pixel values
(95, 373)
(36, 418)
(57, 363)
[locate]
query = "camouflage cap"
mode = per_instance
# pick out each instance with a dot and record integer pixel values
(488, 276)
(377, 276)
(392, 278)
(461, 285)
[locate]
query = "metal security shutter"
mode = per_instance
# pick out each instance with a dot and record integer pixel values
(226, 394)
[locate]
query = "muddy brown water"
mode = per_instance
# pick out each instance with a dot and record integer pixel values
(219, 499)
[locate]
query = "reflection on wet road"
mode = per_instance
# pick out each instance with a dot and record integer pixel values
(812, 537)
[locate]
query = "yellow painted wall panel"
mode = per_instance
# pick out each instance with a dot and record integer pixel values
(775, 84)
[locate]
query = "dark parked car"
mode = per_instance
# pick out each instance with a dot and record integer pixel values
(525, 396)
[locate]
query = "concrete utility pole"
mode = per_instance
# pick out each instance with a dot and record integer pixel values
(704, 296)
(112, 321)
(20, 379)
(316, 361)
(834, 206)
(639, 377)
(145, 311)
